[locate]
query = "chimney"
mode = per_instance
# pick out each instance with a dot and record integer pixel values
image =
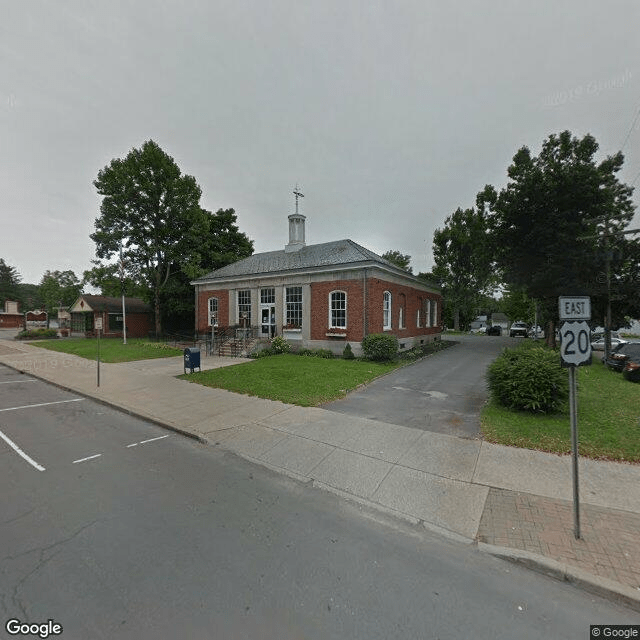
(296, 233)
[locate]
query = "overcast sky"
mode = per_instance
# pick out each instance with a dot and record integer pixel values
(389, 115)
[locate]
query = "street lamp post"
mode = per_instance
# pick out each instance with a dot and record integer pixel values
(124, 313)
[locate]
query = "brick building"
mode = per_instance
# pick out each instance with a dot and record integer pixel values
(11, 318)
(87, 308)
(318, 296)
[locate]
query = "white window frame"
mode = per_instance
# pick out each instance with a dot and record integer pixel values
(332, 324)
(386, 310)
(247, 306)
(418, 313)
(213, 313)
(434, 313)
(402, 311)
(427, 312)
(292, 307)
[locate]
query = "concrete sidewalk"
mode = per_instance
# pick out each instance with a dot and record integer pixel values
(514, 503)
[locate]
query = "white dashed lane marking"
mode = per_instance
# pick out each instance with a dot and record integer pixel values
(42, 404)
(97, 455)
(135, 444)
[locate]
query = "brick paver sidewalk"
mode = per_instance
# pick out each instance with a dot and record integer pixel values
(609, 545)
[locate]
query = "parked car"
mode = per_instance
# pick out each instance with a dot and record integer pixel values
(518, 329)
(598, 345)
(631, 371)
(494, 330)
(478, 327)
(623, 354)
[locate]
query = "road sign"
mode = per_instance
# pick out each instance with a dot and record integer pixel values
(575, 343)
(574, 307)
(98, 324)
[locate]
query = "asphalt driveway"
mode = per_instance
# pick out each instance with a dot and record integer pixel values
(442, 393)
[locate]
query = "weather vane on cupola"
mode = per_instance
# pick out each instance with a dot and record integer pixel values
(298, 194)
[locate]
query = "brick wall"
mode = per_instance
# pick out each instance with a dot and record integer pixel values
(202, 319)
(412, 298)
(139, 325)
(320, 308)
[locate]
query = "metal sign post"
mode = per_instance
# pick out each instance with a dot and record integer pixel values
(98, 326)
(575, 351)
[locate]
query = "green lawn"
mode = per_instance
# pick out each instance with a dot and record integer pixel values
(111, 349)
(608, 420)
(293, 379)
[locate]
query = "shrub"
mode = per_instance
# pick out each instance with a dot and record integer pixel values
(529, 378)
(37, 334)
(347, 353)
(380, 346)
(316, 353)
(280, 345)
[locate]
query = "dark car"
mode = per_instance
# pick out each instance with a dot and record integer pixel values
(494, 330)
(623, 353)
(631, 371)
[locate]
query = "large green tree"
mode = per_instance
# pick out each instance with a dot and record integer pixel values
(9, 283)
(221, 244)
(545, 223)
(168, 239)
(58, 289)
(399, 259)
(463, 265)
(154, 211)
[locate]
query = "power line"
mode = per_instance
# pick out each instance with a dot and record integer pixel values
(633, 124)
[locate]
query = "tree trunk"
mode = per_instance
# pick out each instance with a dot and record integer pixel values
(157, 304)
(456, 320)
(550, 335)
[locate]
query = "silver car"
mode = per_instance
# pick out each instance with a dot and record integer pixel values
(598, 345)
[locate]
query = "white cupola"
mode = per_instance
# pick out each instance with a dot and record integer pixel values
(296, 233)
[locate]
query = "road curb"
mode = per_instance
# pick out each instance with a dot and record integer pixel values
(603, 587)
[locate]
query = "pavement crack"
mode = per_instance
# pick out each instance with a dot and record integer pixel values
(22, 515)
(44, 556)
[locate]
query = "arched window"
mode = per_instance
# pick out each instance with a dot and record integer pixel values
(427, 313)
(418, 318)
(213, 311)
(338, 309)
(386, 310)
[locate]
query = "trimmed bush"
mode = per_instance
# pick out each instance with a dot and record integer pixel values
(380, 347)
(529, 378)
(316, 353)
(347, 353)
(37, 334)
(279, 345)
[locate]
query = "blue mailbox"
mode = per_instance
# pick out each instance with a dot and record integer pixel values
(191, 359)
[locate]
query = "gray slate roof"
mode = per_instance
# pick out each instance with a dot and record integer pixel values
(329, 254)
(114, 305)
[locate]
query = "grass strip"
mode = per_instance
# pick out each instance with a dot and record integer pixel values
(111, 349)
(300, 380)
(608, 420)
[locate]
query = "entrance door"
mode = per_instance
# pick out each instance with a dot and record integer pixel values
(268, 321)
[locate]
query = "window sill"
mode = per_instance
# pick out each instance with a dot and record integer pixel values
(292, 331)
(334, 334)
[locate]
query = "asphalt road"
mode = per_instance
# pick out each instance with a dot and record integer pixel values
(115, 528)
(442, 393)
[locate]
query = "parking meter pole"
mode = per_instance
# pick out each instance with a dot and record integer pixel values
(573, 413)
